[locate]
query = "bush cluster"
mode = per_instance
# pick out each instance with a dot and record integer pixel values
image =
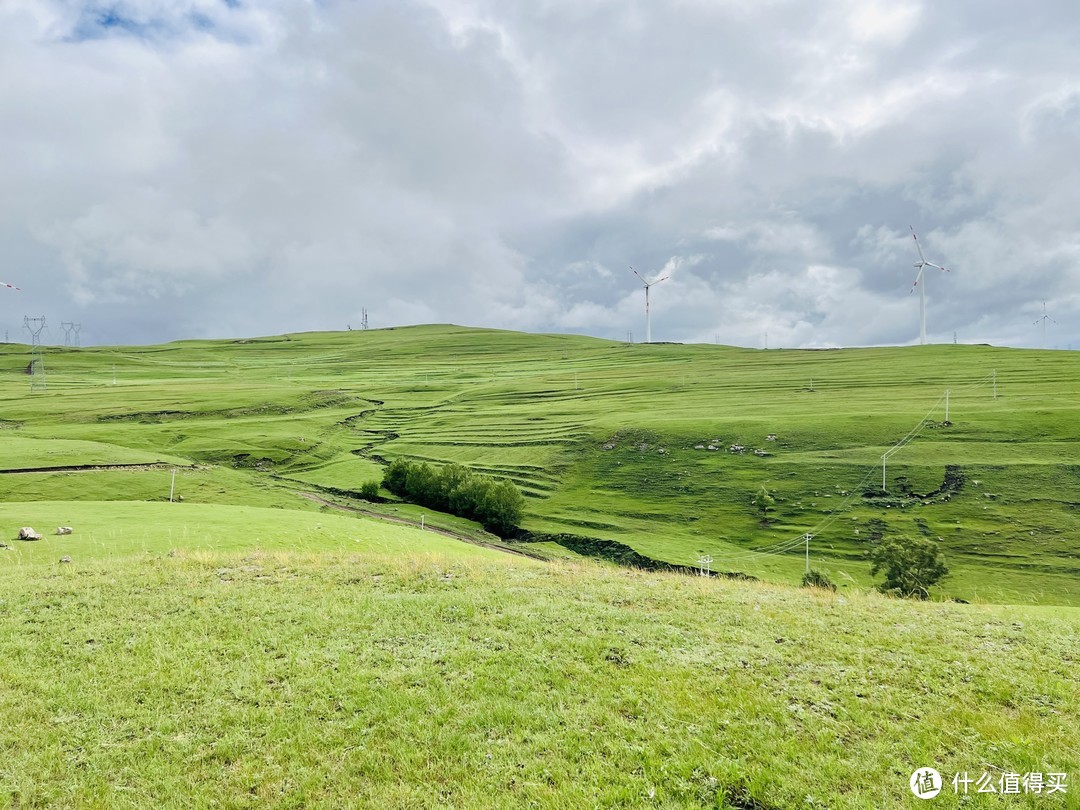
(497, 505)
(818, 579)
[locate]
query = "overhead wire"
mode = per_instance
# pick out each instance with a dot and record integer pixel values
(784, 546)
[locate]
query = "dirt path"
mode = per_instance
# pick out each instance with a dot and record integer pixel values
(152, 465)
(311, 496)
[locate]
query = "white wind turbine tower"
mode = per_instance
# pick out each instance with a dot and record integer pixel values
(922, 264)
(1044, 319)
(648, 317)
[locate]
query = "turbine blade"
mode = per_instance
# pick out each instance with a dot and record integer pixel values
(918, 247)
(643, 281)
(664, 278)
(918, 278)
(10, 286)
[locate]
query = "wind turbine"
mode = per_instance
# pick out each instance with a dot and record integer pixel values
(1044, 319)
(922, 264)
(648, 317)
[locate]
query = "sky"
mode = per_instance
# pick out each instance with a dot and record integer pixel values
(223, 168)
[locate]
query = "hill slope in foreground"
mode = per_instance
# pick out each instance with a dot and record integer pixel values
(206, 655)
(610, 441)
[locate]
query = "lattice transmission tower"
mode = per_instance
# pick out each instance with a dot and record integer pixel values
(35, 326)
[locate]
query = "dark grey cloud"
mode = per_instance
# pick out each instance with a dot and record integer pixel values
(179, 168)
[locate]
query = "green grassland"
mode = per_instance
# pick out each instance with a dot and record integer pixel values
(275, 641)
(601, 436)
(197, 655)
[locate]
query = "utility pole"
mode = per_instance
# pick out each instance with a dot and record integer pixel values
(946, 406)
(808, 537)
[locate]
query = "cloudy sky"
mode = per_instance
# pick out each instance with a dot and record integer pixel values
(206, 168)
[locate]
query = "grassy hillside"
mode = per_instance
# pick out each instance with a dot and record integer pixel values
(601, 436)
(201, 655)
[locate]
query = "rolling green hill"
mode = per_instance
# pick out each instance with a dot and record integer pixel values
(275, 641)
(608, 440)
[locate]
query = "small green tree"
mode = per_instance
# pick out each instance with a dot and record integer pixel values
(763, 501)
(422, 485)
(503, 508)
(451, 478)
(911, 566)
(370, 490)
(396, 475)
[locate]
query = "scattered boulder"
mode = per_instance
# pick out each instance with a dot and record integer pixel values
(63, 530)
(28, 533)
(180, 498)
(65, 559)
(736, 448)
(699, 447)
(608, 446)
(771, 437)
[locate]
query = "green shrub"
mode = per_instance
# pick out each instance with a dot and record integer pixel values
(818, 579)
(370, 490)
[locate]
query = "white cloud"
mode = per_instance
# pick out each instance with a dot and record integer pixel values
(196, 167)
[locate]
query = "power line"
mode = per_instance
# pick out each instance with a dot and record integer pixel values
(783, 547)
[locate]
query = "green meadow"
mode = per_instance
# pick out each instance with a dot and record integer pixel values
(271, 639)
(608, 441)
(211, 655)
